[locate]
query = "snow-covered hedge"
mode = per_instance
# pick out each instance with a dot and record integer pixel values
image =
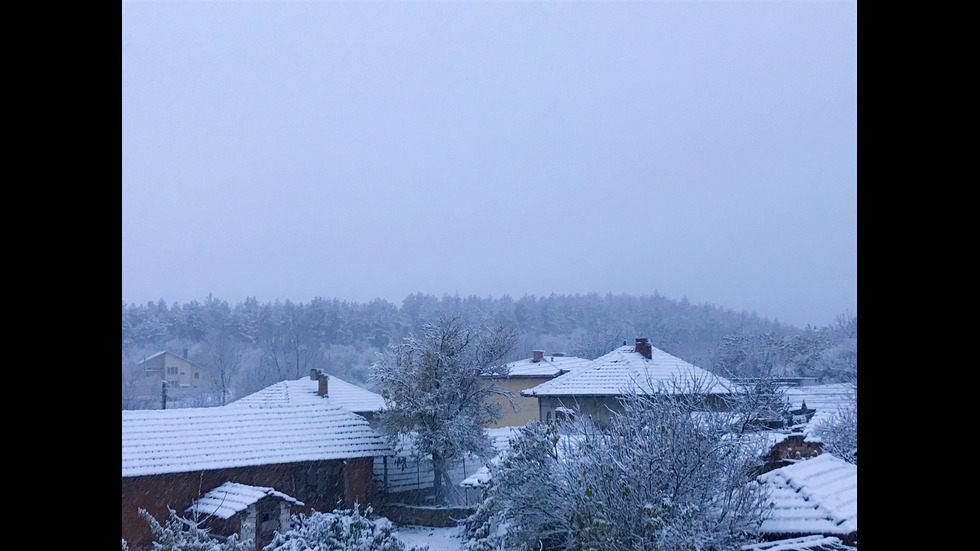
(345, 530)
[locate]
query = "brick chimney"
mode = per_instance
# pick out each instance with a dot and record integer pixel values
(322, 388)
(643, 347)
(536, 355)
(314, 374)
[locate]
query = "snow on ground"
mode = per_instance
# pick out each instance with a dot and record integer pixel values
(438, 539)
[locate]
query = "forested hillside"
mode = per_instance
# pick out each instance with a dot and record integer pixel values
(248, 346)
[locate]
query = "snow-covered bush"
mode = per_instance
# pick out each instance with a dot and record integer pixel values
(657, 478)
(838, 432)
(341, 530)
(182, 534)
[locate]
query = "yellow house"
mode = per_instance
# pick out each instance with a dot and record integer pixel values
(176, 370)
(528, 373)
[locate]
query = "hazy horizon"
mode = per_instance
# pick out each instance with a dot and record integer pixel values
(355, 151)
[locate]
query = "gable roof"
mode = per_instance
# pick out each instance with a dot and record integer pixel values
(232, 498)
(548, 366)
(624, 369)
(813, 496)
(168, 353)
(195, 439)
(304, 392)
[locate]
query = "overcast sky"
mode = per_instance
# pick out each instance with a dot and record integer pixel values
(361, 150)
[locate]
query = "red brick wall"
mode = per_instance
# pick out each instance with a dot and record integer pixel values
(321, 485)
(788, 449)
(359, 480)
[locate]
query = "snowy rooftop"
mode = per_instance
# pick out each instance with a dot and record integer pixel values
(231, 498)
(548, 366)
(827, 397)
(803, 543)
(166, 352)
(814, 496)
(304, 392)
(624, 369)
(252, 431)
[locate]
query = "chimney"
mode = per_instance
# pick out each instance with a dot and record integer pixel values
(313, 374)
(643, 347)
(185, 353)
(322, 388)
(536, 355)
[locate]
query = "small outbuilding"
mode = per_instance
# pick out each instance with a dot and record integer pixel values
(253, 512)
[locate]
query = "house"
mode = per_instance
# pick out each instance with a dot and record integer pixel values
(595, 390)
(306, 445)
(253, 512)
(176, 370)
(525, 374)
(816, 496)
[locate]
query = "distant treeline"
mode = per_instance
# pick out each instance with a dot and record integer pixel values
(250, 345)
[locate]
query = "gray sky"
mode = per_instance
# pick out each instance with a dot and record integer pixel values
(361, 150)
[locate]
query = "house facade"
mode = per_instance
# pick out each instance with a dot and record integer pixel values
(595, 391)
(175, 370)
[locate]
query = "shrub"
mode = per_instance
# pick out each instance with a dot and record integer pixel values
(341, 530)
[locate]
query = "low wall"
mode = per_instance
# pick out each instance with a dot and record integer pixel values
(418, 515)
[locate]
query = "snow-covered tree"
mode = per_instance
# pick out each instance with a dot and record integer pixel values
(759, 403)
(662, 476)
(341, 530)
(183, 534)
(838, 430)
(436, 387)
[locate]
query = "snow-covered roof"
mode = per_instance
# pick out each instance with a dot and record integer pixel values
(548, 366)
(802, 543)
(231, 498)
(304, 392)
(624, 370)
(148, 358)
(193, 439)
(813, 496)
(168, 353)
(827, 400)
(829, 397)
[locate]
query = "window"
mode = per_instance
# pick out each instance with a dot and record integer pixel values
(171, 371)
(197, 375)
